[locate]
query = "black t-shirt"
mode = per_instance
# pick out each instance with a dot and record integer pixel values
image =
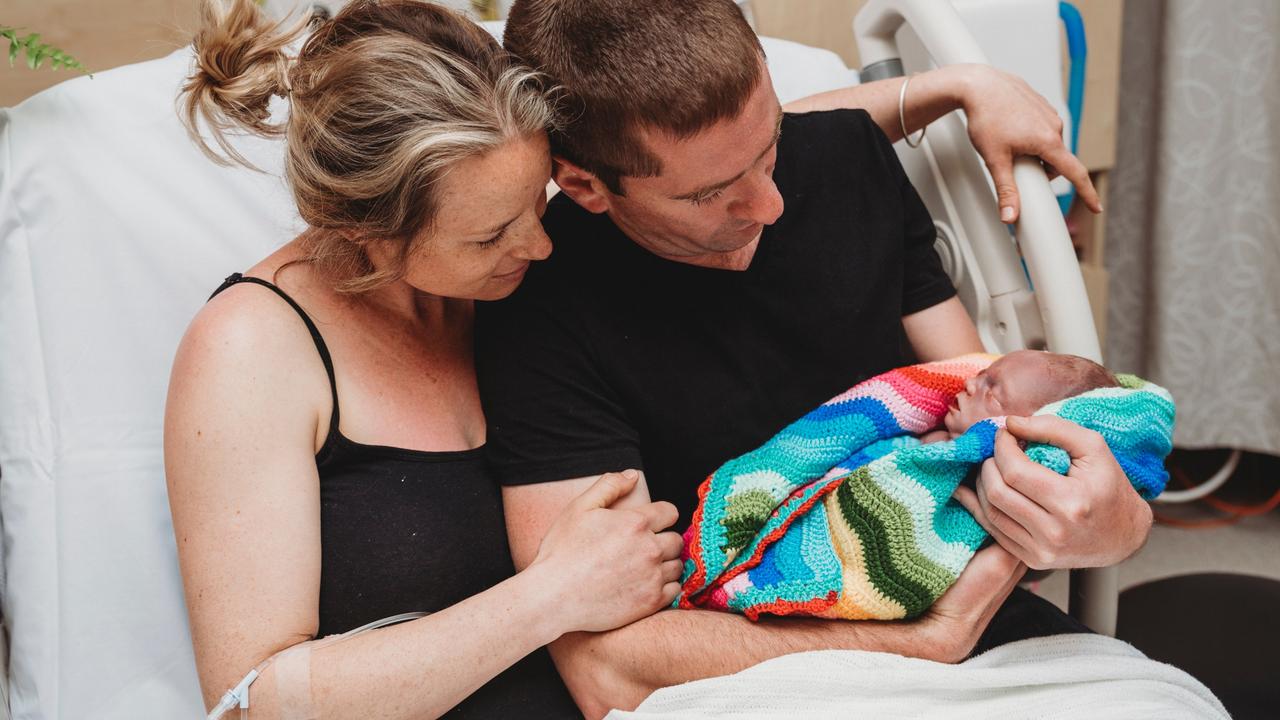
(609, 357)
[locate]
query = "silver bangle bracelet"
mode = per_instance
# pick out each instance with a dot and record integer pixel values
(902, 118)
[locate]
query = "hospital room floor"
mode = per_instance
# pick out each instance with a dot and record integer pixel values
(1220, 627)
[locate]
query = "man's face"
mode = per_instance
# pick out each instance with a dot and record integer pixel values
(716, 190)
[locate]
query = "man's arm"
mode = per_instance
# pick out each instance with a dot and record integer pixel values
(942, 331)
(621, 667)
(1006, 119)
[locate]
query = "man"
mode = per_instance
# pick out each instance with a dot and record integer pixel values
(720, 268)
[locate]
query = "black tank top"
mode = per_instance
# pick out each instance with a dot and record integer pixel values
(411, 530)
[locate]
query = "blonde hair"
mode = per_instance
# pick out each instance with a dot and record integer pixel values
(383, 99)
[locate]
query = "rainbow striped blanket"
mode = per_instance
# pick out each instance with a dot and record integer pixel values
(844, 514)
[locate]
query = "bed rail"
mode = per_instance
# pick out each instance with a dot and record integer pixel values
(900, 36)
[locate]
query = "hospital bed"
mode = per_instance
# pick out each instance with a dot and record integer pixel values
(114, 228)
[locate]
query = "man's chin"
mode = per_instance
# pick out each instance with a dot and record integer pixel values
(733, 243)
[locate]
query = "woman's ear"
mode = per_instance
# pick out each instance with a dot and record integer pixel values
(580, 184)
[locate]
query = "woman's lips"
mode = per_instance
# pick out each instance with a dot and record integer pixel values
(513, 274)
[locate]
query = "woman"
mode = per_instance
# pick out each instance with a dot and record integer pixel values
(323, 431)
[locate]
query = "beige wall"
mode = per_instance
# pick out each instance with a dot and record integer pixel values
(823, 23)
(101, 34)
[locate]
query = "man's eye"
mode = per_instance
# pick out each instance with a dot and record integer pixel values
(704, 199)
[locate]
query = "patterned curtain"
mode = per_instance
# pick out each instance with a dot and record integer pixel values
(1193, 228)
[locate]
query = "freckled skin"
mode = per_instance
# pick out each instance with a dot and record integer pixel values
(461, 255)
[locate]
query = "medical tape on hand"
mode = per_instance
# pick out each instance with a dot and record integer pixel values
(293, 676)
(291, 671)
(293, 683)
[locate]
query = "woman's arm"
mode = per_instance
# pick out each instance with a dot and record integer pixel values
(1006, 119)
(241, 431)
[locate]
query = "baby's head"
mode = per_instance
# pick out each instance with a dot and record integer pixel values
(1021, 383)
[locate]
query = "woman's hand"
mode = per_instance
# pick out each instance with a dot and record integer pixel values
(612, 566)
(1007, 118)
(1091, 518)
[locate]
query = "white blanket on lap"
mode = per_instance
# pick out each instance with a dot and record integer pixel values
(1066, 676)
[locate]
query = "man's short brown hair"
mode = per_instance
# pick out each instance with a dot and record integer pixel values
(679, 66)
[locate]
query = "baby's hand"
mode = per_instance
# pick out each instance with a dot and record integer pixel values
(935, 436)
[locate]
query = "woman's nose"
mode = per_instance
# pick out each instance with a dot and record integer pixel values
(536, 246)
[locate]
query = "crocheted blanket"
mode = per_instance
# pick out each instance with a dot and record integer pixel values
(844, 514)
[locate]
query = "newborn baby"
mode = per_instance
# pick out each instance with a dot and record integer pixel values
(1020, 383)
(791, 528)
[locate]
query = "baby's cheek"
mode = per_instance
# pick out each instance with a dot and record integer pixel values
(990, 408)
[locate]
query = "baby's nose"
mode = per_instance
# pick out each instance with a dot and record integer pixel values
(971, 385)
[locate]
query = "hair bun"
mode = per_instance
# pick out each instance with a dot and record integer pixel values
(241, 61)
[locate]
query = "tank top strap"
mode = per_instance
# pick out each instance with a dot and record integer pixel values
(237, 278)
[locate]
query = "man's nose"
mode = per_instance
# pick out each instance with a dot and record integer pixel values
(762, 202)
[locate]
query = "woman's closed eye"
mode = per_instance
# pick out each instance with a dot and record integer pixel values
(495, 239)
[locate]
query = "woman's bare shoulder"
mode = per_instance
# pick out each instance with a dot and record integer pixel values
(247, 352)
(248, 322)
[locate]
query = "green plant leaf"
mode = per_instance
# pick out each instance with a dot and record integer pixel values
(37, 52)
(11, 35)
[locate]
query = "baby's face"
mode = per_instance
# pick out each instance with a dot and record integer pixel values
(1012, 385)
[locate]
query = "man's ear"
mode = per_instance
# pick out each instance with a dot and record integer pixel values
(580, 184)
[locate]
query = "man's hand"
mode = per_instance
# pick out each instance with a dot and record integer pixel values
(952, 626)
(1091, 518)
(1007, 119)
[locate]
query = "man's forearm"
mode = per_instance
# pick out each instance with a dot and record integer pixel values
(931, 95)
(621, 667)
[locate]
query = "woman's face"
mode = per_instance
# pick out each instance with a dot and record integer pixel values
(489, 225)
